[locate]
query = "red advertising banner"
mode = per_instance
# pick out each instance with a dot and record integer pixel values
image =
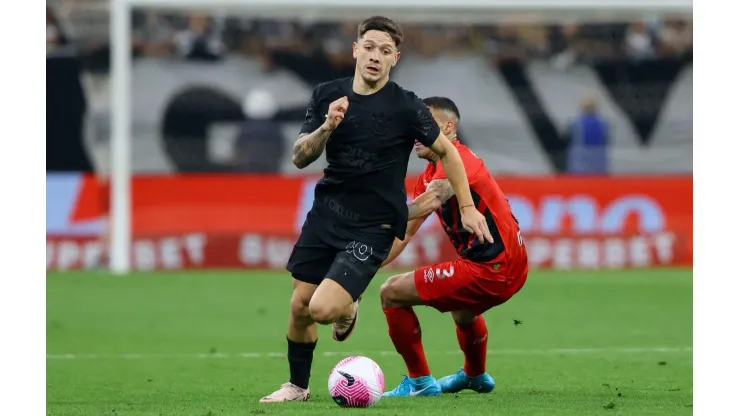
(231, 221)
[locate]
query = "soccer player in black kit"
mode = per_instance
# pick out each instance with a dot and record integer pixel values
(368, 126)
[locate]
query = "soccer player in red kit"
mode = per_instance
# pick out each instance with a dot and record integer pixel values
(483, 276)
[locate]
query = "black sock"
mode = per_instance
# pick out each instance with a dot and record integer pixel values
(300, 356)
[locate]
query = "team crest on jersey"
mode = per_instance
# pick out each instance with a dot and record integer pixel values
(381, 123)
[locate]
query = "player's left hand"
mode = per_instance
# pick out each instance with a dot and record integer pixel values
(475, 222)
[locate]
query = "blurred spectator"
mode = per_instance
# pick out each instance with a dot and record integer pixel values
(639, 42)
(675, 37)
(54, 34)
(260, 144)
(155, 36)
(201, 41)
(503, 44)
(337, 46)
(588, 138)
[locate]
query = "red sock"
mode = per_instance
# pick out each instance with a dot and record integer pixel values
(405, 332)
(473, 340)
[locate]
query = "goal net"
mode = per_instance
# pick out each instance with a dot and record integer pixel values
(204, 111)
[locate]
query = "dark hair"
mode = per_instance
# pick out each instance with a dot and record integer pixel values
(442, 103)
(382, 24)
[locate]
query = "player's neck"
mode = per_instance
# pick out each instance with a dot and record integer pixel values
(360, 86)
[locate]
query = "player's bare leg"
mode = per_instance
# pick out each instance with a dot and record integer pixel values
(302, 337)
(472, 336)
(332, 304)
(397, 295)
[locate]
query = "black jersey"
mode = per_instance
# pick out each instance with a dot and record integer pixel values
(368, 154)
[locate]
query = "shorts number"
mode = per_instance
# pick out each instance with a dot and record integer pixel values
(519, 237)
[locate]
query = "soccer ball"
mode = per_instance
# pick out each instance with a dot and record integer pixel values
(356, 382)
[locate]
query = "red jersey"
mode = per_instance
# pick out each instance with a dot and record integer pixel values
(490, 201)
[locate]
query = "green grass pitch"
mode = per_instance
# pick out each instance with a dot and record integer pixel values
(213, 343)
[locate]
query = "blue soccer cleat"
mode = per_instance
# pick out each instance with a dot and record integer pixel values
(460, 381)
(420, 386)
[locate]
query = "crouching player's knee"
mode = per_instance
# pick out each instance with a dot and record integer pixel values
(387, 292)
(399, 291)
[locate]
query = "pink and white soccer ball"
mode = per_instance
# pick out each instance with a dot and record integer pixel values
(356, 382)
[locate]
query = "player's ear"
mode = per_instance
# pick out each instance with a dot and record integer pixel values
(354, 50)
(398, 56)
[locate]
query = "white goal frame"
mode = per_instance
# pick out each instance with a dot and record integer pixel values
(441, 11)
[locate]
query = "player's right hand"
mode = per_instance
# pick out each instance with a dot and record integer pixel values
(475, 222)
(336, 113)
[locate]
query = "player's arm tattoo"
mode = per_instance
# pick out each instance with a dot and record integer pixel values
(309, 147)
(443, 189)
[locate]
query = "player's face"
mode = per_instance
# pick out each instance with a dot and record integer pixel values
(375, 53)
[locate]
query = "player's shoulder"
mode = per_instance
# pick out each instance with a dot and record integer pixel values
(469, 158)
(408, 97)
(335, 88)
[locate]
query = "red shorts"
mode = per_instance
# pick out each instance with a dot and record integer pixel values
(464, 285)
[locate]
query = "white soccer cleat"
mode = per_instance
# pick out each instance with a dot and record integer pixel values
(288, 392)
(343, 328)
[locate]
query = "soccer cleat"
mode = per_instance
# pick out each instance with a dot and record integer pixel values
(288, 392)
(419, 386)
(460, 381)
(343, 328)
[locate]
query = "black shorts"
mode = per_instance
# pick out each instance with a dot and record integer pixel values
(348, 255)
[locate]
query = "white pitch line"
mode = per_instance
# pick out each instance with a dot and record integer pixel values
(553, 351)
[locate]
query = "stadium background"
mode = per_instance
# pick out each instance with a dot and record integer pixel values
(603, 325)
(218, 100)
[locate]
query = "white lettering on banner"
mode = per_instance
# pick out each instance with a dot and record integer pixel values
(255, 250)
(278, 252)
(664, 247)
(250, 249)
(563, 254)
(49, 255)
(538, 250)
(145, 255)
(170, 255)
(640, 255)
(68, 254)
(91, 254)
(195, 248)
(613, 252)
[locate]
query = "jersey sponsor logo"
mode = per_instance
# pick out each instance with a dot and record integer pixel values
(361, 251)
(356, 157)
